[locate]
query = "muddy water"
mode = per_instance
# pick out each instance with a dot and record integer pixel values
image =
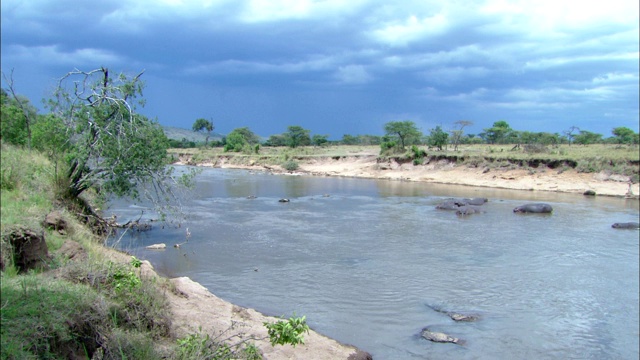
(367, 260)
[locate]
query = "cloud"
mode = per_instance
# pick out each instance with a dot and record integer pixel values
(411, 30)
(353, 74)
(54, 55)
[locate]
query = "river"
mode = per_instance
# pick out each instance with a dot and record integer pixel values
(367, 261)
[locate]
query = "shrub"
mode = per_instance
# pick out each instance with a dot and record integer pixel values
(290, 165)
(287, 332)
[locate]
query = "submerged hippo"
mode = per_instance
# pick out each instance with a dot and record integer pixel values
(283, 200)
(538, 208)
(440, 337)
(468, 210)
(458, 317)
(448, 205)
(627, 225)
(475, 201)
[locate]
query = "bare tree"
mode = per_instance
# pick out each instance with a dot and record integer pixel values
(456, 134)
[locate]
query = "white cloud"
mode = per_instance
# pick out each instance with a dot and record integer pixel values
(238, 66)
(411, 30)
(353, 74)
(277, 10)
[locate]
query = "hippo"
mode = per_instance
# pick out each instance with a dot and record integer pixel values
(627, 225)
(448, 205)
(458, 317)
(440, 337)
(475, 201)
(283, 200)
(468, 210)
(538, 208)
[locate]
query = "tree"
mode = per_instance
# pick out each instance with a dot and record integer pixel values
(297, 136)
(569, 133)
(240, 139)
(437, 138)
(319, 140)
(349, 139)
(276, 140)
(202, 125)
(456, 135)
(405, 131)
(623, 135)
(113, 149)
(498, 132)
(27, 111)
(587, 137)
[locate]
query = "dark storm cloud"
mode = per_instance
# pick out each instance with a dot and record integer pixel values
(339, 67)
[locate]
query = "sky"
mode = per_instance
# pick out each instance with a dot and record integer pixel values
(340, 67)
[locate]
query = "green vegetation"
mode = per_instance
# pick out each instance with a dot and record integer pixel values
(288, 332)
(406, 132)
(203, 125)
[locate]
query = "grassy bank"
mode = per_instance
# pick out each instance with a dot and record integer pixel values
(613, 159)
(83, 300)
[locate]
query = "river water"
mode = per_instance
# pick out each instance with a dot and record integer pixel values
(367, 261)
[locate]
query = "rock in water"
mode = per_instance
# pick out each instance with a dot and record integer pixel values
(440, 337)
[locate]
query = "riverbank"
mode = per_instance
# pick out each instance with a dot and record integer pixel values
(504, 176)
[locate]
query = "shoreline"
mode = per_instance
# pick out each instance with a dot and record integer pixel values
(445, 172)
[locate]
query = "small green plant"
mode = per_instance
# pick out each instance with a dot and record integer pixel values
(290, 331)
(290, 165)
(193, 346)
(124, 278)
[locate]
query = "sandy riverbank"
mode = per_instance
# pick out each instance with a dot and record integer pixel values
(444, 172)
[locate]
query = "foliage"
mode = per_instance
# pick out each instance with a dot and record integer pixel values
(405, 131)
(437, 138)
(113, 149)
(203, 125)
(587, 137)
(290, 165)
(241, 139)
(13, 122)
(319, 140)
(276, 140)
(624, 135)
(498, 133)
(297, 136)
(290, 331)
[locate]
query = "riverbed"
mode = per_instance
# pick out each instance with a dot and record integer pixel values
(367, 261)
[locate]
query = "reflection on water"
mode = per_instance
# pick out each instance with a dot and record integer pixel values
(366, 262)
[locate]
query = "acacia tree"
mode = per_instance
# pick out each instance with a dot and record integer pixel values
(202, 125)
(456, 135)
(113, 149)
(437, 138)
(498, 132)
(297, 136)
(623, 135)
(405, 131)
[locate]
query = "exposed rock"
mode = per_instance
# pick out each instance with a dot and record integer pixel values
(54, 221)
(360, 355)
(157, 246)
(29, 249)
(440, 337)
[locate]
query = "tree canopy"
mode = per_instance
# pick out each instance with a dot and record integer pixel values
(437, 138)
(203, 125)
(405, 131)
(297, 136)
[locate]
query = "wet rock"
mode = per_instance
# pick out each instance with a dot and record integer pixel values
(440, 337)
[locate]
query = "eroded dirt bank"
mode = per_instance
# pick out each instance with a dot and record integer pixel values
(444, 171)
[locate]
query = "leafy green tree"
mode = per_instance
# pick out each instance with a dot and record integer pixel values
(319, 140)
(498, 133)
(203, 125)
(113, 148)
(437, 138)
(20, 115)
(276, 140)
(52, 137)
(623, 135)
(587, 137)
(405, 131)
(297, 136)
(241, 139)
(350, 139)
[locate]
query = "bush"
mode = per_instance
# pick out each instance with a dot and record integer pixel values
(290, 165)
(287, 332)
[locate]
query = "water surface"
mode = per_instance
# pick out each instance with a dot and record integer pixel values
(365, 261)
